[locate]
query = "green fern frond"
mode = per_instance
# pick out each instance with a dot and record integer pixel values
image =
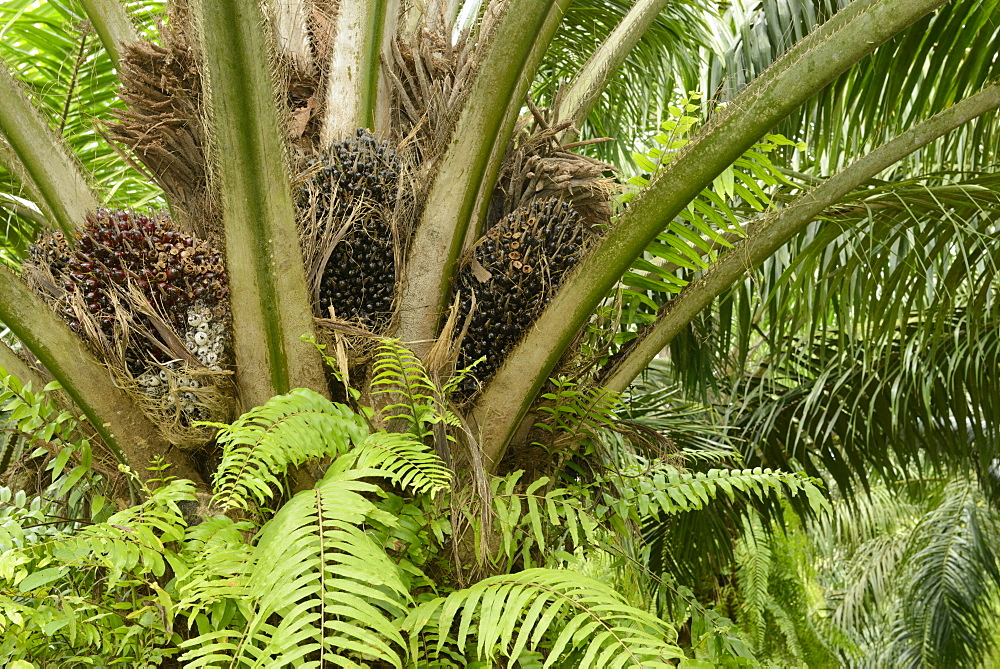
(785, 623)
(753, 570)
(400, 377)
(671, 490)
(263, 443)
(316, 583)
(571, 619)
(210, 570)
(577, 411)
(403, 460)
(530, 520)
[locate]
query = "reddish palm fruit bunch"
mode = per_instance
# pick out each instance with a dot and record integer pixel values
(116, 249)
(525, 257)
(357, 178)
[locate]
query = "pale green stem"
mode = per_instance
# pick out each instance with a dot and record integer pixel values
(270, 303)
(466, 169)
(382, 111)
(352, 84)
(514, 108)
(111, 412)
(586, 88)
(26, 209)
(768, 232)
(41, 160)
(290, 20)
(810, 65)
(112, 25)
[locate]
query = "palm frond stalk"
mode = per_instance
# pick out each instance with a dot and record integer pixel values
(770, 231)
(112, 24)
(44, 163)
(263, 254)
(584, 92)
(468, 168)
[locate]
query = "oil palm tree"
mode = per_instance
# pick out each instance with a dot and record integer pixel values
(467, 96)
(247, 154)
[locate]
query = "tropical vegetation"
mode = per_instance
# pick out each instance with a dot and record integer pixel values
(512, 333)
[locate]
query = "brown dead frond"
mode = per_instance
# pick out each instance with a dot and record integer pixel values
(162, 121)
(430, 76)
(537, 167)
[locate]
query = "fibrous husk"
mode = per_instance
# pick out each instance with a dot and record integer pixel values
(537, 167)
(152, 304)
(430, 75)
(162, 120)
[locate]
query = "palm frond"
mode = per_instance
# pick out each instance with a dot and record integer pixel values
(940, 59)
(859, 333)
(666, 62)
(952, 574)
(52, 49)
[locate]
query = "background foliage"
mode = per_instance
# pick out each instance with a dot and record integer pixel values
(689, 518)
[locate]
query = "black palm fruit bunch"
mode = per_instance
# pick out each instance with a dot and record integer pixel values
(351, 195)
(122, 256)
(513, 271)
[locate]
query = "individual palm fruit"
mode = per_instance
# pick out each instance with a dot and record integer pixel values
(167, 383)
(356, 183)
(514, 271)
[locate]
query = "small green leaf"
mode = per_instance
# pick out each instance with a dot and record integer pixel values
(643, 162)
(40, 578)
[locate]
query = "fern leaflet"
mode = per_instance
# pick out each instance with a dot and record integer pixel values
(286, 431)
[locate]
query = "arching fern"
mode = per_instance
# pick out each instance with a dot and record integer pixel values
(286, 431)
(575, 620)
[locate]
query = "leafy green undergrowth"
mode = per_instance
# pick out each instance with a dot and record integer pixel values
(366, 568)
